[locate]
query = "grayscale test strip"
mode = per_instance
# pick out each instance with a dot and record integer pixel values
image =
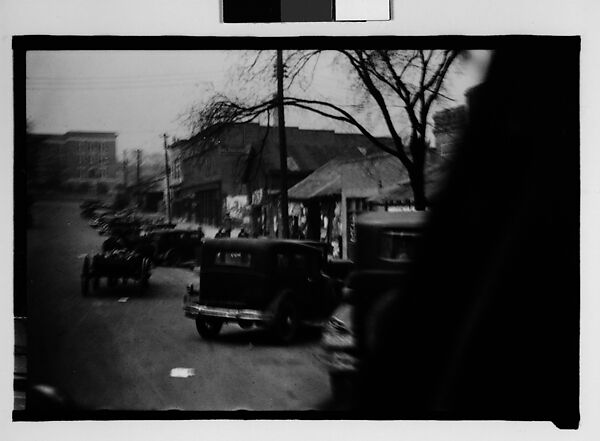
(289, 11)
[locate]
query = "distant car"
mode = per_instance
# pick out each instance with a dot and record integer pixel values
(100, 216)
(90, 203)
(171, 247)
(277, 284)
(89, 208)
(120, 225)
(385, 248)
(147, 227)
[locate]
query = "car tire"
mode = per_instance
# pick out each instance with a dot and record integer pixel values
(208, 328)
(376, 316)
(172, 258)
(286, 320)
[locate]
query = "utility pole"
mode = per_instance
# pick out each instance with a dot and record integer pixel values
(168, 179)
(285, 227)
(138, 155)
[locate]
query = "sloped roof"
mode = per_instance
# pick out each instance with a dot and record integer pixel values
(359, 177)
(365, 177)
(308, 149)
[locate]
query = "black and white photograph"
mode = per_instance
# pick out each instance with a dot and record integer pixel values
(285, 230)
(323, 228)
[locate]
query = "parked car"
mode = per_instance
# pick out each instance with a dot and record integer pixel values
(149, 227)
(278, 284)
(120, 225)
(385, 248)
(170, 246)
(100, 216)
(88, 206)
(93, 207)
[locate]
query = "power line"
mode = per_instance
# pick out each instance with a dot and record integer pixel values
(133, 87)
(124, 77)
(201, 84)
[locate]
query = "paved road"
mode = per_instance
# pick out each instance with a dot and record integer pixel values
(107, 354)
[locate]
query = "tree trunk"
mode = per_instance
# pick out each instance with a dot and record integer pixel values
(417, 182)
(418, 149)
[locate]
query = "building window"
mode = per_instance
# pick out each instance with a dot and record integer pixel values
(176, 170)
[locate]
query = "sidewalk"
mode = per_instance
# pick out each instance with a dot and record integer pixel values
(209, 230)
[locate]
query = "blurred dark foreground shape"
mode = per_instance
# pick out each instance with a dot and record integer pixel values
(489, 326)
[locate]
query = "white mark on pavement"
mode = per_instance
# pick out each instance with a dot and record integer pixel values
(182, 372)
(123, 299)
(81, 256)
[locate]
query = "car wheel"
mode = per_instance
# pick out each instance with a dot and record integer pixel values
(208, 327)
(85, 276)
(286, 321)
(377, 316)
(172, 258)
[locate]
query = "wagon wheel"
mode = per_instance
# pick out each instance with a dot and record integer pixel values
(93, 275)
(147, 270)
(144, 275)
(85, 276)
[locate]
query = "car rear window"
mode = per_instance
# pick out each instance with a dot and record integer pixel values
(233, 258)
(398, 246)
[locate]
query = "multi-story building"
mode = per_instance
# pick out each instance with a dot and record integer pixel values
(89, 155)
(72, 159)
(237, 172)
(449, 125)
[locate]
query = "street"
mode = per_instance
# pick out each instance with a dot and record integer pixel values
(115, 349)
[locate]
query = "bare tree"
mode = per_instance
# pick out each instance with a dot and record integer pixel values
(410, 80)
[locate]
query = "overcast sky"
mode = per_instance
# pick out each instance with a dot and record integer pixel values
(141, 94)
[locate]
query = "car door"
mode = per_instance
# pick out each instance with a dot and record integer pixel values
(308, 279)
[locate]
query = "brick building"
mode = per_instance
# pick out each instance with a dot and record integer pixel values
(449, 124)
(448, 128)
(237, 172)
(205, 173)
(72, 159)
